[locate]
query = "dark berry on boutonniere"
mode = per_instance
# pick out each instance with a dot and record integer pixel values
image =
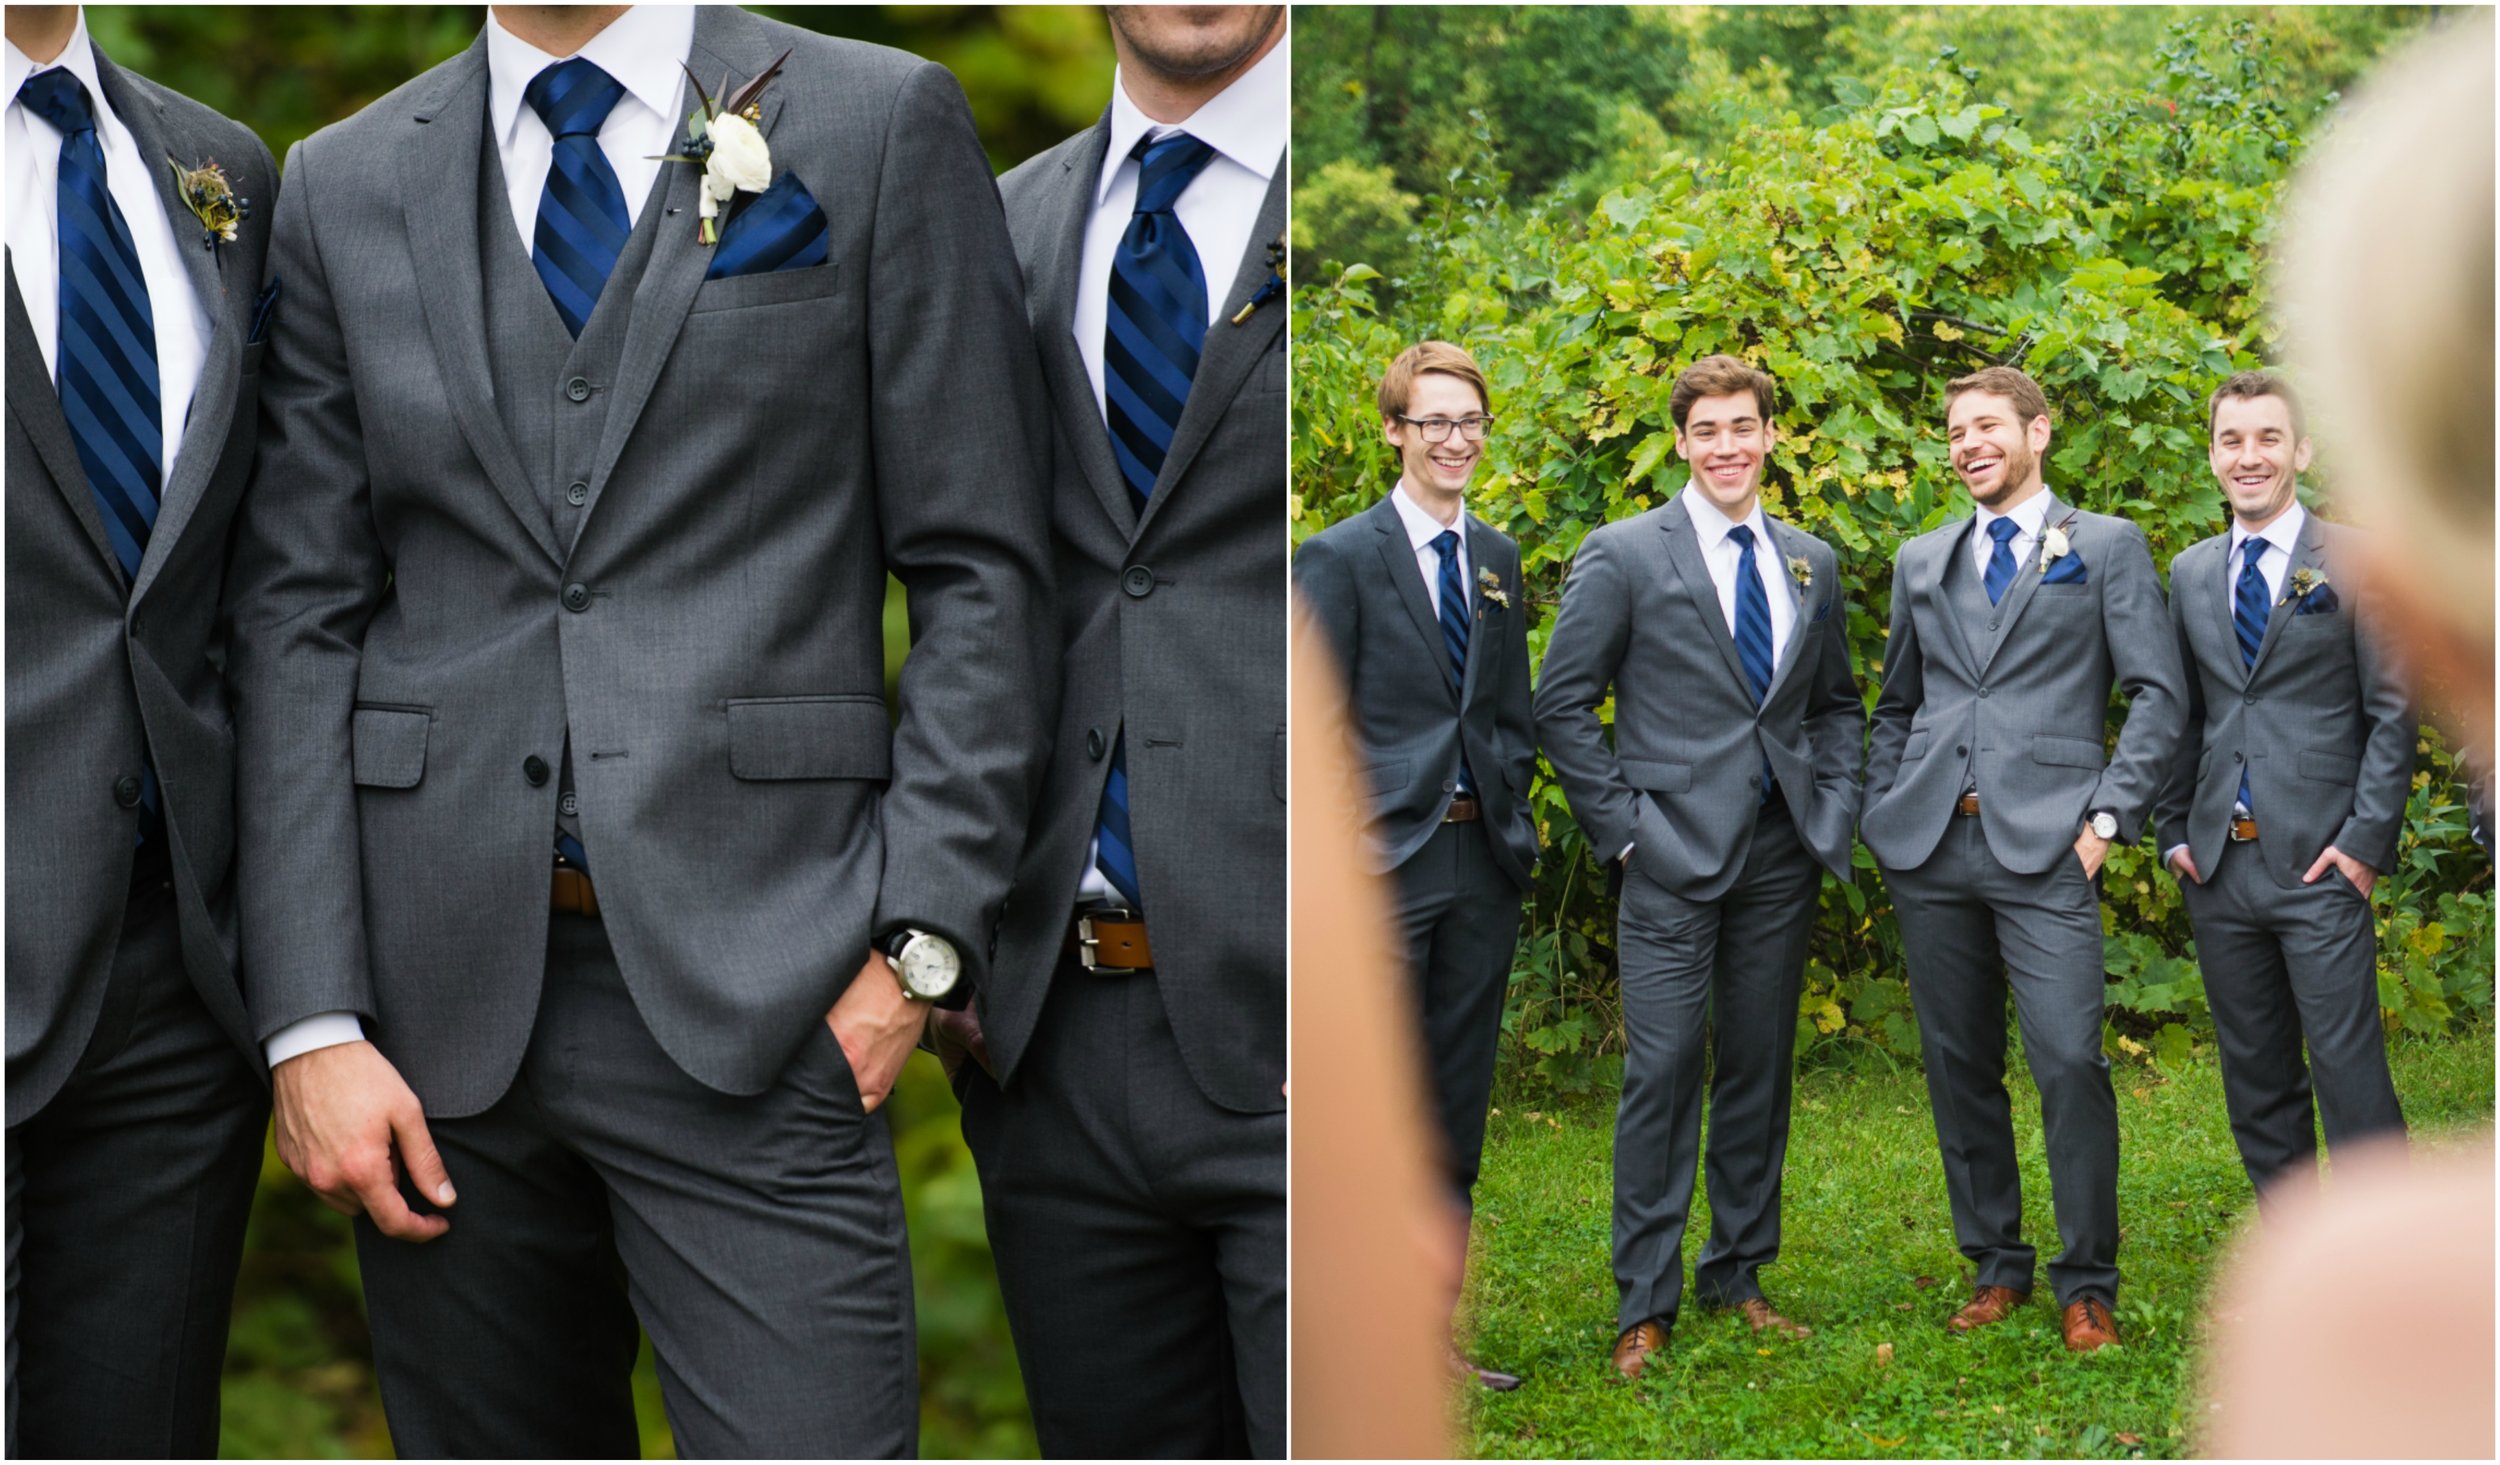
(725, 139)
(205, 191)
(1274, 284)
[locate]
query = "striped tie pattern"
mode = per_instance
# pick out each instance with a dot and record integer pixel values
(2001, 559)
(582, 222)
(1455, 626)
(2249, 611)
(1753, 628)
(1156, 323)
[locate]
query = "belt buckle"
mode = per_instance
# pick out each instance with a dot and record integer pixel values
(1087, 943)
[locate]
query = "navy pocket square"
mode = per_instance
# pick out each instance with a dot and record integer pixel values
(2066, 569)
(2318, 602)
(1822, 613)
(780, 229)
(261, 311)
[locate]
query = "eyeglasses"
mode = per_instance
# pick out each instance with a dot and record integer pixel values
(1437, 429)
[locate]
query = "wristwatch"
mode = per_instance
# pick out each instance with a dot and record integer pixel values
(925, 963)
(2104, 824)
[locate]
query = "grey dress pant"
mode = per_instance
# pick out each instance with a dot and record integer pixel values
(1460, 916)
(2283, 965)
(1732, 969)
(1972, 929)
(759, 1240)
(127, 1200)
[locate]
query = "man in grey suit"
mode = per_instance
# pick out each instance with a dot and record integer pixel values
(1990, 805)
(1129, 1124)
(1731, 785)
(136, 1101)
(2285, 803)
(568, 785)
(1428, 621)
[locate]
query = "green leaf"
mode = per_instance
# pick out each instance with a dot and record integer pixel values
(1921, 130)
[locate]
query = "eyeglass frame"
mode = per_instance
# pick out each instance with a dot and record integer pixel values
(1483, 421)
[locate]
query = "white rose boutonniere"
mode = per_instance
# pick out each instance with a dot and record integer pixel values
(1801, 571)
(2053, 547)
(726, 140)
(1491, 585)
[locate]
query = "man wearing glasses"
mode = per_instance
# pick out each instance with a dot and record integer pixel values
(1421, 601)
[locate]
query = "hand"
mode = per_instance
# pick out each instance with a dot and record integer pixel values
(877, 1026)
(2361, 875)
(338, 1111)
(2091, 849)
(2185, 865)
(956, 1036)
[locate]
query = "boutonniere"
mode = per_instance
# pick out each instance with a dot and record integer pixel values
(2054, 545)
(2306, 581)
(1801, 572)
(1491, 585)
(1275, 280)
(726, 140)
(211, 199)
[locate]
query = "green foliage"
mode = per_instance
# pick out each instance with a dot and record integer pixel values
(1913, 232)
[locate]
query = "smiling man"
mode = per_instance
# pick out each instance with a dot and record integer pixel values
(1722, 634)
(1990, 805)
(1421, 601)
(2280, 811)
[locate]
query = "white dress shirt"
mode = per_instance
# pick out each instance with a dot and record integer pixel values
(1421, 530)
(2027, 516)
(2274, 563)
(641, 49)
(1723, 554)
(34, 167)
(1245, 124)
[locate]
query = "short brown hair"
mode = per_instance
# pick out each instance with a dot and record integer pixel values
(1719, 376)
(2003, 381)
(2255, 384)
(1423, 356)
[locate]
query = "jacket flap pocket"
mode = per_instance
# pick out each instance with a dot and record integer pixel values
(1665, 778)
(1383, 777)
(2329, 767)
(842, 736)
(2067, 752)
(1916, 747)
(389, 745)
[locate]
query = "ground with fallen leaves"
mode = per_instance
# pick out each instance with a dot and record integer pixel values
(1868, 1261)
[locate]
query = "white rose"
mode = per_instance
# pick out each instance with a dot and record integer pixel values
(739, 160)
(2054, 546)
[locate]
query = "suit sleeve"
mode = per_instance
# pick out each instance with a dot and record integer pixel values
(2145, 651)
(1582, 655)
(1514, 713)
(2386, 781)
(307, 574)
(1835, 721)
(960, 424)
(1903, 691)
(2178, 785)
(1327, 587)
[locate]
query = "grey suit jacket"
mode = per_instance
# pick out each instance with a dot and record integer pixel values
(1367, 595)
(407, 629)
(1683, 780)
(1173, 623)
(2021, 711)
(104, 674)
(2321, 724)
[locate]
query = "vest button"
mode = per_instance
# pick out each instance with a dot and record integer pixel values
(577, 389)
(569, 806)
(577, 495)
(1138, 581)
(534, 768)
(1093, 743)
(126, 791)
(577, 597)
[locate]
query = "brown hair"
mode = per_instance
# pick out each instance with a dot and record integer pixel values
(2002, 381)
(1719, 376)
(1440, 356)
(2255, 384)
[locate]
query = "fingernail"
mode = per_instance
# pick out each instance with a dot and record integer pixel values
(443, 1195)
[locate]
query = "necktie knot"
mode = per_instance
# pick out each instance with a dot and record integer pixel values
(2003, 530)
(1743, 535)
(573, 97)
(1446, 542)
(1166, 165)
(2252, 556)
(60, 98)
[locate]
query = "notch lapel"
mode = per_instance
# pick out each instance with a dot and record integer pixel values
(1479, 547)
(36, 404)
(2027, 576)
(1054, 287)
(1398, 560)
(2312, 547)
(1684, 554)
(1931, 578)
(1789, 544)
(2211, 588)
(1230, 351)
(439, 186)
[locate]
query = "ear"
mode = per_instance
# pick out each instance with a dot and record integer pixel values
(1682, 449)
(2038, 434)
(2300, 456)
(1394, 431)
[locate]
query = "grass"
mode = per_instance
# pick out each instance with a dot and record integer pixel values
(1868, 1261)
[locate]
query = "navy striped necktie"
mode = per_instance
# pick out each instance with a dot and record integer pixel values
(2001, 559)
(2249, 612)
(1456, 623)
(1753, 628)
(582, 223)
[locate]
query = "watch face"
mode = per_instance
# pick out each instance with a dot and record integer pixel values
(929, 967)
(2105, 825)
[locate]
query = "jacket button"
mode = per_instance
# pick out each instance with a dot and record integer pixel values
(569, 806)
(1139, 582)
(1449, 785)
(577, 597)
(1093, 743)
(1961, 750)
(1983, 691)
(2250, 699)
(126, 791)
(534, 768)
(577, 389)
(577, 494)
(2235, 757)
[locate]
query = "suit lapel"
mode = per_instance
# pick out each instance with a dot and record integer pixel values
(1398, 561)
(2026, 580)
(36, 405)
(1932, 578)
(2312, 546)
(1054, 287)
(1230, 351)
(1480, 550)
(2210, 587)
(439, 186)
(1684, 554)
(1788, 545)
(214, 283)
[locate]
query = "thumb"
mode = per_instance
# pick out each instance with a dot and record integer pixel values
(417, 1153)
(2325, 858)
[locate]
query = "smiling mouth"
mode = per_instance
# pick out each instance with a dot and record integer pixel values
(1972, 468)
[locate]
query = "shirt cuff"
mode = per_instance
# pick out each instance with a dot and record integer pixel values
(2168, 854)
(1627, 852)
(321, 1030)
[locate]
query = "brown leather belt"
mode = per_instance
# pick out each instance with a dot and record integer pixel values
(2243, 830)
(1967, 803)
(1109, 938)
(573, 895)
(1463, 810)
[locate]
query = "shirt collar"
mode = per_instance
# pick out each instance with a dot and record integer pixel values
(2027, 516)
(1713, 526)
(1245, 122)
(78, 58)
(1421, 528)
(642, 49)
(2283, 533)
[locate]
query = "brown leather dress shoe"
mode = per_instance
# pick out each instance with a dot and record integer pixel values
(1761, 1314)
(1640, 1340)
(1987, 1305)
(1489, 1378)
(2089, 1325)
